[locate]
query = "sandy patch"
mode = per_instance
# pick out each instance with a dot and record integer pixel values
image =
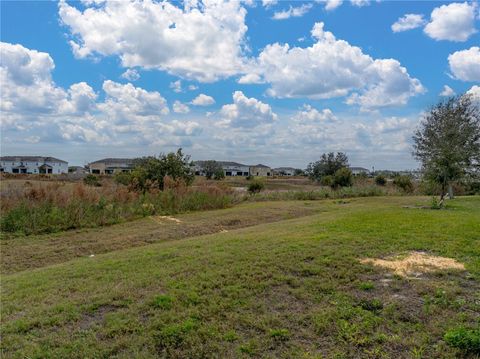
(168, 218)
(415, 264)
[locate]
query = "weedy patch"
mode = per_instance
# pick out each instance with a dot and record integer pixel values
(415, 264)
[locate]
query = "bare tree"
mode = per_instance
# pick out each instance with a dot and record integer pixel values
(448, 142)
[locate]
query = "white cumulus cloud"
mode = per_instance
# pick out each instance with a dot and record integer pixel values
(203, 40)
(179, 107)
(131, 75)
(309, 114)
(465, 64)
(332, 68)
(453, 22)
(408, 22)
(447, 91)
(292, 12)
(246, 112)
(203, 100)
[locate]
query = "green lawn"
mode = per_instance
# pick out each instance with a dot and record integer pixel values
(290, 289)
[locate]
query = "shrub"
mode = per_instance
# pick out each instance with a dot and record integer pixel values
(219, 174)
(380, 180)
(327, 181)
(122, 178)
(92, 180)
(343, 178)
(404, 182)
(467, 340)
(256, 186)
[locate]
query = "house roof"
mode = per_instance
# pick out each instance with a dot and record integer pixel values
(358, 169)
(115, 160)
(284, 169)
(260, 165)
(31, 159)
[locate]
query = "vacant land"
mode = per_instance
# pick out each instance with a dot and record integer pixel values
(303, 287)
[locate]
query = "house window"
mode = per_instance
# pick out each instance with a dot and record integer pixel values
(228, 173)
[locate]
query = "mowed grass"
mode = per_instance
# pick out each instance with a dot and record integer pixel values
(289, 289)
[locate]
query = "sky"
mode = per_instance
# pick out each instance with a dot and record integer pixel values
(272, 82)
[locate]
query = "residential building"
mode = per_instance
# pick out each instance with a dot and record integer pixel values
(260, 170)
(109, 166)
(359, 170)
(234, 168)
(33, 165)
(229, 168)
(284, 171)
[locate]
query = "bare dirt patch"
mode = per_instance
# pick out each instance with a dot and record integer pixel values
(415, 264)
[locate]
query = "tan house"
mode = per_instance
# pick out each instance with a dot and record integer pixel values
(260, 170)
(110, 166)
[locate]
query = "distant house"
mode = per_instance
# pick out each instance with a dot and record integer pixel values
(359, 170)
(229, 168)
(33, 165)
(109, 166)
(234, 168)
(260, 170)
(284, 171)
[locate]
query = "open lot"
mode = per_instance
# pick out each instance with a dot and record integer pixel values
(295, 287)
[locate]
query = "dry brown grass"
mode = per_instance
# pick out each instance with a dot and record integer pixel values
(415, 264)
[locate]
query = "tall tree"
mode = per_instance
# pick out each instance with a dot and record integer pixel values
(328, 164)
(448, 142)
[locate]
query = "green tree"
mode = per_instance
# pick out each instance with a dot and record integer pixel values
(343, 177)
(150, 172)
(448, 142)
(213, 169)
(328, 164)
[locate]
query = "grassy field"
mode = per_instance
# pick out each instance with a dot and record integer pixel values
(291, 288)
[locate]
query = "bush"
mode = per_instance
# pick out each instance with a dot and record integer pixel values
(219, 174)
(404, 182)
(327, 181)
(467, 340)
(343, 178)
(256, 186)
(122, 178)
(92, 180)
(380, 180)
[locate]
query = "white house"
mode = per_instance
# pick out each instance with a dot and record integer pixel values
(234, 169)
(359, 170)
(32, 165)
(284, 171)
(109, 166)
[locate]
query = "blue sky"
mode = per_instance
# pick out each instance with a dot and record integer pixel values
(275, 82)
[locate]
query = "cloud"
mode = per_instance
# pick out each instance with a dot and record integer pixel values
(465, 64)
(246, 112)
(360, 3)
(453, 22)
(475, 93)
(192, 87)
(447, 91)
(408, 22)
(131, 75)
(176, 86)
(35, 109)
(292, 12)
(332, 4)
(179, 107)
(203, 100)
(269, 3)
(202, 41)
(27, 85)
(332, 68)
(309, 114)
